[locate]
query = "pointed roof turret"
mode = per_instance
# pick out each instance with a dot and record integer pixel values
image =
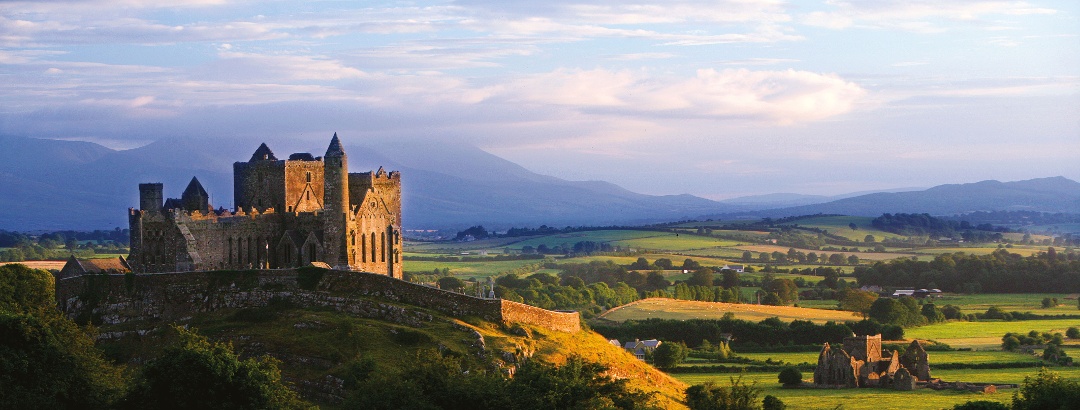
(335, 149)
(263, 153)
(194, 188)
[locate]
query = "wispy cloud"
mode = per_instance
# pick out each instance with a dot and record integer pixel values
(922, 16)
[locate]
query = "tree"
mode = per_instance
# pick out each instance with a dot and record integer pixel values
(747, 256)
(690, 264)
(640, 264)
(1010, 342)
(856, 300)
(1046, 390)
(656, 281)
(771, 402)
(46, 360)
(932, 313)
(869, 239)
(1048, 303)
(711, 396)
(784, 289)
(901, 312)
(450, 283)
(701, 277)
(577, 384)
(669, 355)
(730, 279)
(853, 259)
(664, 263)
(790, 376)
(853, 226)
(1072, 333)
(196, 374)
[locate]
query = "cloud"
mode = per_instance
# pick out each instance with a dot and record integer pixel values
(775, 96)
(920, 16)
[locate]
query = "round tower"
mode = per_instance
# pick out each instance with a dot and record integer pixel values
(335, 203)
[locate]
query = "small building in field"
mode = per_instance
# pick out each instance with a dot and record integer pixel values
(640, 347)
(736, 268)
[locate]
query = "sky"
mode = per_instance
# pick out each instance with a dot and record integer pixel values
(718, 99)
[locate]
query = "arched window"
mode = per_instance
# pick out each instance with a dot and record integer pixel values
(363, 248)
(382, 237)
(373, 247)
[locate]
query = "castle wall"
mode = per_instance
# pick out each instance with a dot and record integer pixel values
(171, 297)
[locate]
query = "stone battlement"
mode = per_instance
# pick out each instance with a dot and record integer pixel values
(168, 297)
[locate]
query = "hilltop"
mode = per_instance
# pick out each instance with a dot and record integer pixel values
(328, 326)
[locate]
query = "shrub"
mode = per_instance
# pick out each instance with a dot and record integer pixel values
(1046, 390)
(790, 376)
(711, 396)
(772, 403)
(1010, 342)
(981, 405)
(669, 355)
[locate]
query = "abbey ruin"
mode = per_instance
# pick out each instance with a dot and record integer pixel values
(288, 213)
(862, 363)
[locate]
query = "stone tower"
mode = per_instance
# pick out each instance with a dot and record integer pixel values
(336, 203)
(151, 197)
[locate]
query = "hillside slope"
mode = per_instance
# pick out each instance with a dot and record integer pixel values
(318, 348)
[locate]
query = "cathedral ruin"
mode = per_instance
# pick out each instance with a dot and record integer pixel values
(289, 213)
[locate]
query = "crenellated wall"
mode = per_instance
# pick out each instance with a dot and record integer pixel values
(171, 297)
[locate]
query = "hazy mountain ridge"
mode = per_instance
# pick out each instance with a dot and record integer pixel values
(1053, 194)
(52, 184)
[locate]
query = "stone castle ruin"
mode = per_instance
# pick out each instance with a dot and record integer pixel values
(862, 363)
(289, 213)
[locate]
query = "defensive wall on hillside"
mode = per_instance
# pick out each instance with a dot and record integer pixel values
(170, 297)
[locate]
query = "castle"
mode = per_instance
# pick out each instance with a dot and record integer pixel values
(289, 213)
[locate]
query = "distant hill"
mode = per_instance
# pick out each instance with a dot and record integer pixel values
(784, 200)
(50, 184)
(1055, 194)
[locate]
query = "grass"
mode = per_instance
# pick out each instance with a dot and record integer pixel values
(685, 309)
(873, 399)
(465, 270)
(980, 357)
(1009, 302)
(838, 225)
(985, 335)
(315, 343)
(849, 399)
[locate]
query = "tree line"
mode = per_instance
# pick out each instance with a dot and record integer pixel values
(997, 272)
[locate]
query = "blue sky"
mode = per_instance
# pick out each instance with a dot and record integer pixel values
(713, 98)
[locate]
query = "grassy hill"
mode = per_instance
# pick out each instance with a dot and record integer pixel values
(319, 348)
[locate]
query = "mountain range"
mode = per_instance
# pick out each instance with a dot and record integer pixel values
(56, 184)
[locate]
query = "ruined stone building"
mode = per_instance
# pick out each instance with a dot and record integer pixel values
(288, 213)
(862, 363)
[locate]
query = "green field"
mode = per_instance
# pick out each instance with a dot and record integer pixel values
(465, 270)
(980, 357)
(874, 399)
(985, 335)
(1009, 302)
(838, 225)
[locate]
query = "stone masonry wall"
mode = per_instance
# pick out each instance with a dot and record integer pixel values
(168, 297)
